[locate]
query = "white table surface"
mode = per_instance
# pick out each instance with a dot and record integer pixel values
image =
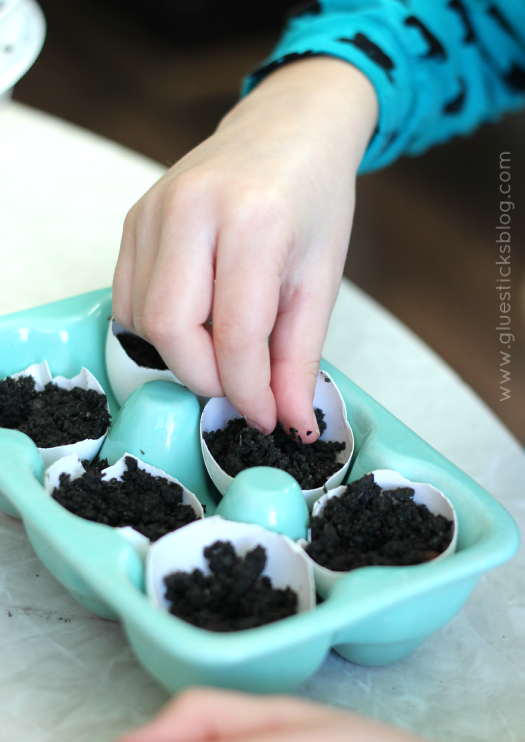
(66, 675)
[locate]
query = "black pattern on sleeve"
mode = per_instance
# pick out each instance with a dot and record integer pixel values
(435, 49)
(457, 104)
(515, 78)
(374, 52)
(470, 34)
(500, 19)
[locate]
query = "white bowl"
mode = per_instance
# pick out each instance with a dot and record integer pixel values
(22, 33)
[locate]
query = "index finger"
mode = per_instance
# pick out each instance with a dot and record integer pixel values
(179, 300)
(245, 307)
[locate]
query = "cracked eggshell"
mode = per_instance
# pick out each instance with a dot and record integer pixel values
(72, 465)
(219, 411)
(124, 374)
(87, 448)
(387, 479)
(182, 550)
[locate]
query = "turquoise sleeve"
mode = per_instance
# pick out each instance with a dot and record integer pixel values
(440, 68)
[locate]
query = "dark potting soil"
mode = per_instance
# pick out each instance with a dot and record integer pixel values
(238, 447)
(139, 350)
(151, 505)
(54, 416)
(370, 526)
(234, 596)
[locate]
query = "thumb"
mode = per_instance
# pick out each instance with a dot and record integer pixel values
(295, 350)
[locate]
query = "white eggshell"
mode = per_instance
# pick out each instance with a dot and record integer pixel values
(182, 551)
(40, 373)
(73, 466)
(87, 448)
(387, 479)
(124, 374)
(219, 411)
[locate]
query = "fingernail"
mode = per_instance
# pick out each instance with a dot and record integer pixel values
(251, 424)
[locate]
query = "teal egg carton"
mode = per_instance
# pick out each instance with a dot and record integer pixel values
(373, 616)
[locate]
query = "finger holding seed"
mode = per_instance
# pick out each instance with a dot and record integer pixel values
(252, 225)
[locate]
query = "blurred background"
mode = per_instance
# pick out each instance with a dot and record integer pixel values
(158, 76)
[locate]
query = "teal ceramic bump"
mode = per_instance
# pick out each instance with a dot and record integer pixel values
(219, 411)
(269, 497)
(387, 479)
(124, 374)
(159, 424)
(183, 549)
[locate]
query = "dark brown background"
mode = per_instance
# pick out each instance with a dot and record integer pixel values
(423, 241)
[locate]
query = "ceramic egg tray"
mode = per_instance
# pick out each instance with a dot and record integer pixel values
(373, 616)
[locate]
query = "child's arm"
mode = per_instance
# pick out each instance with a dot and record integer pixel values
(224, 716)
(264, 207)
(440, 68)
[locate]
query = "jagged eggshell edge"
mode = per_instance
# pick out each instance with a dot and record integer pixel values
(219, 411)
(182, 550)
(72, 465)
(124, 374)
(87, 448)
(424, 493)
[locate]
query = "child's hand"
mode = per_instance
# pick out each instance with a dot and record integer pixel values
(264, 207)
(202, 714)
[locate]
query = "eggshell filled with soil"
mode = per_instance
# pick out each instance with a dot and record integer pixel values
(424, 494)
(56, 416)
(183, 551)
(334, 429)
(126, 355)
(72, 466)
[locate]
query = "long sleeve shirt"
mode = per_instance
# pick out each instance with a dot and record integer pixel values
(440, 68)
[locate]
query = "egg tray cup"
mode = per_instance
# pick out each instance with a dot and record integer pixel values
(372, 616)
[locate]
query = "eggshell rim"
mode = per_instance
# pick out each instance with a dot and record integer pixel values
(222, 480)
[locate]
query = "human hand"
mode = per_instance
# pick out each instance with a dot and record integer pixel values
(264, 208)
(204, 714)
